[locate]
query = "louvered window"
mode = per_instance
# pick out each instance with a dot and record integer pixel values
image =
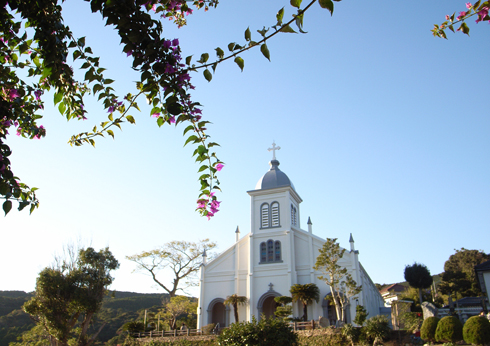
(275, 214)
(265, 215)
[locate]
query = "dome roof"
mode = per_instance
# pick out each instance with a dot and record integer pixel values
(274, 178)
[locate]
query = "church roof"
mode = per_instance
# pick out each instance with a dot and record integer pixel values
(274, 178)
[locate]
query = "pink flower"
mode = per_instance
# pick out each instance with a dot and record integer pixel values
(38, 94)
(13, 94)
(129, 53)
(175, 42)
(172, 120)
(219, 167)
(482, 14)
(461, 15)
(155, 115)
(468, 5)
(447, 17)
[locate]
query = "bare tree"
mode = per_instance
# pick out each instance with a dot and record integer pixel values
(182, 258)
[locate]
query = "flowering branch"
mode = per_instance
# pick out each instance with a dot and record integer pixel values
(479, 8)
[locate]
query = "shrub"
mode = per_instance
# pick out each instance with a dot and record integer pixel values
(449, 329)
(208, 329)
(361, 315)
(377, 328)
(352, 333)
(428, 329)
(411, 321)
(476, 331)
(266, 332)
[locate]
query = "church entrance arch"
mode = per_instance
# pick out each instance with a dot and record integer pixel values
(267, 305)
(218, 312)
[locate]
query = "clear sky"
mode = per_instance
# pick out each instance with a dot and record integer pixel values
(383, 130)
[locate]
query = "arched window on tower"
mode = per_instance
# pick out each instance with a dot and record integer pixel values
(275, 214)
(294, 219)
(270, 251)
(264, 216)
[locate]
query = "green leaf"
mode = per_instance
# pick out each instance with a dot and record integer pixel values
(57, 98)
(108, 81)
(62, 108)
(7, 205)
(220, 53)
(81, 41)
(328, 4)
(130, 119)
(208, 75)
(110, 133)
(190, 139)
(188, 60)
(204, 57)
(287, 29)
(187, 129)
(465, 29)
(203, 168)
(160, 121)
(265, 51)
(239, 61)
(97, 88)
(296, 3)
(280, 16)
(231, 46)
(248, 35)
(174, 108)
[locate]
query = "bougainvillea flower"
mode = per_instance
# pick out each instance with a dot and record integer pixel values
(219, 167)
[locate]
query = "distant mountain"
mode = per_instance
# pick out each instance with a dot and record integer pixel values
(119, 307)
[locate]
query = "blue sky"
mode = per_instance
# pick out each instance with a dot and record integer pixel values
(383, 130)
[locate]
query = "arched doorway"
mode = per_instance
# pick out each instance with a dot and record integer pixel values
(218, 312)
(266, 305)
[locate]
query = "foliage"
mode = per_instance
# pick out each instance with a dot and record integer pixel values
(331, 338)
(305, 294)
(37, 336)
(352, 333)
(183, 258)
(342, 286)
(428, 329)
(412, 294)
(412, 321)
(361, 315)
(459, 275)
(476, 331)
(208, 328)
(71, 292)
(285, 309)
(133, 326)
(235, 300)
(479, 9)
(266, 332)
(36, 46)
(178, 306)
(418, 276)
(377, 328)
(449, 329)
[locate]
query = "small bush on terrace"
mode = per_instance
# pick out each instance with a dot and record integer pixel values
(266, 332)
(449, 329)
(428, 329)
(476, 331)
(377, 329)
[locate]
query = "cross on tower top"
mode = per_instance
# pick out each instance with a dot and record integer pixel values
(273, 149)
(270, 286)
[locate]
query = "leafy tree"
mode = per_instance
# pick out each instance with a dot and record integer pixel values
(235, 300)
(67, 297)
(182, 258)
(285, 309)
(37, 336)
(428, 329)
(178, 306)
(342, 286)
(459, 275)
(418, 276)
(306, 294)
(35, 60)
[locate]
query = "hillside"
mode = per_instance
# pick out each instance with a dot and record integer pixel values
(118, 308)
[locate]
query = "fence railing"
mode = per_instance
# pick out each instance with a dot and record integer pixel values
(194, 332)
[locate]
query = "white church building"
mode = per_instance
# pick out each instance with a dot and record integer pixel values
(276, 254)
